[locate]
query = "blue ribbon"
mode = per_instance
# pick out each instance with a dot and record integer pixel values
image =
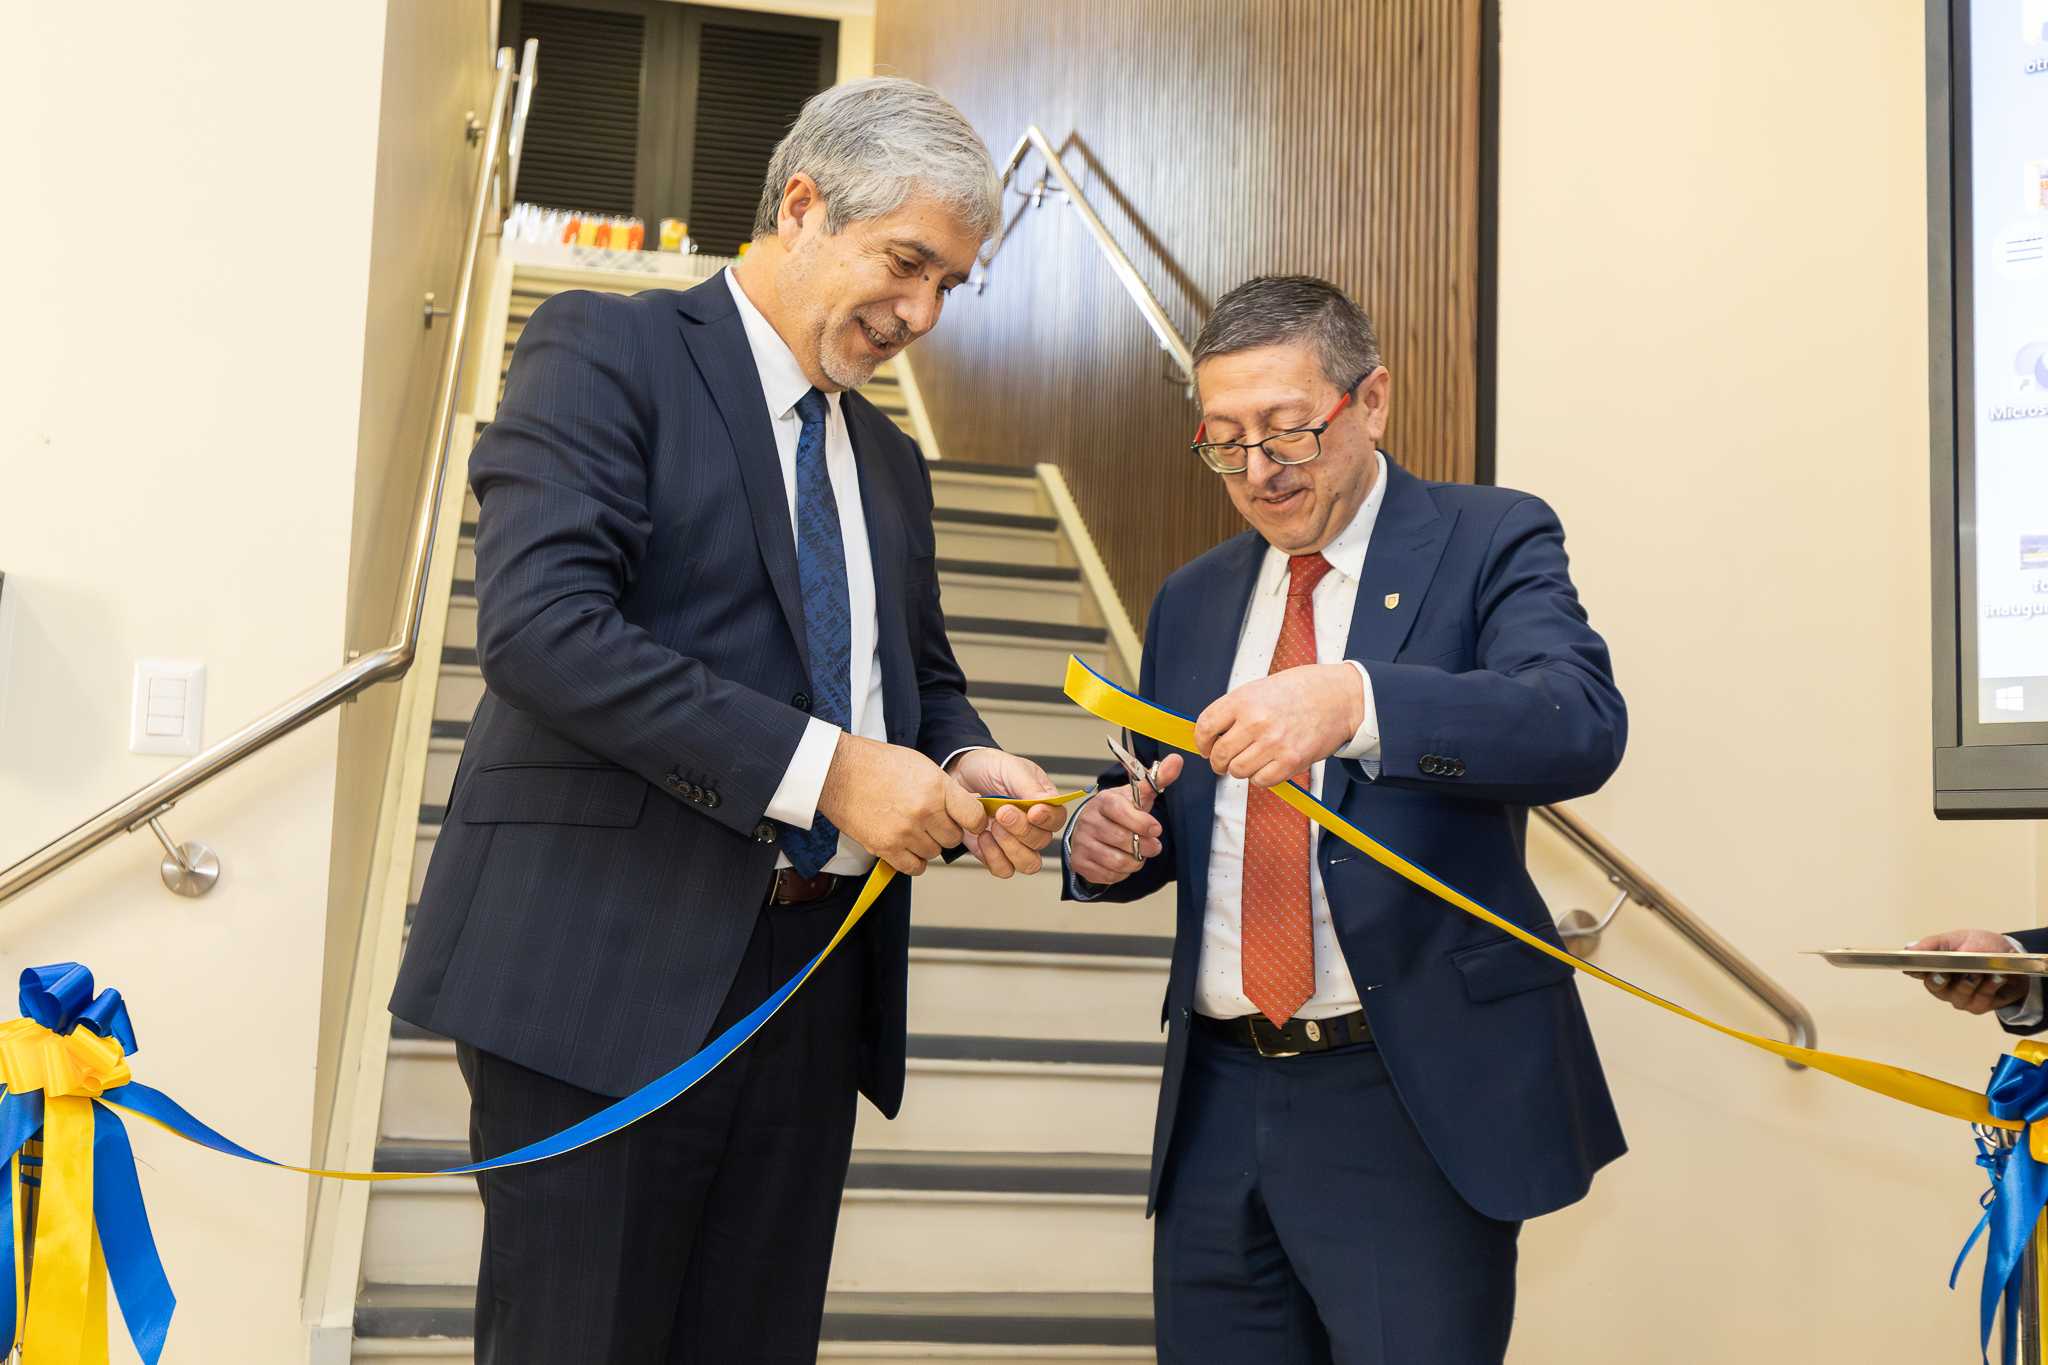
(60, 998)
(2014, 1203)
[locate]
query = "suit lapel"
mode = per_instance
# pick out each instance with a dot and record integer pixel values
(1408, 542)
(883, 511)
(718, 343)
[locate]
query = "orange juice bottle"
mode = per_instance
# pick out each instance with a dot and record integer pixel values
(636, 233)
(572, 228)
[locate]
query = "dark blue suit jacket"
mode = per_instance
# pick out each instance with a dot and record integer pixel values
(1485, 657)
(640, 629)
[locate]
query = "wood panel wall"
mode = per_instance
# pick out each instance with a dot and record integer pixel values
(1218, 140)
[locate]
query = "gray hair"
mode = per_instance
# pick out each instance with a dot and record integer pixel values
(1294, 310)
(870, 144)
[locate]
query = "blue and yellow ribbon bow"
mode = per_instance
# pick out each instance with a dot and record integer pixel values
(74, 1217)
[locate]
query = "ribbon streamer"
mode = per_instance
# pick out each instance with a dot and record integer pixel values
(1103, 698)
(2018, 1193)
(64, 1070)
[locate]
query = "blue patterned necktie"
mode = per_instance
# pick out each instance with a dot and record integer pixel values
(828, 616)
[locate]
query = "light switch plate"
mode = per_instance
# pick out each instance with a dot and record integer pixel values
(169, 710)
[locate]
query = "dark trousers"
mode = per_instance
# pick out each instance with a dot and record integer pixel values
(702, 1234)
(1303, 1222)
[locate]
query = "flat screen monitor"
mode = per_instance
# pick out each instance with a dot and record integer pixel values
(1988, 251)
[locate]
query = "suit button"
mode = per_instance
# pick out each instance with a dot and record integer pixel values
(764, 833)
(696, 793)
(1430, 764)
(1457, 768)
(711, 800)
(676, 783)
(801, 701)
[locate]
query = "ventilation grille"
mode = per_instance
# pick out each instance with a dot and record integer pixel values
(583, 132)
(750, 87)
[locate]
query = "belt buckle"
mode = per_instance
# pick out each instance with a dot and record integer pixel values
(1259, 1044)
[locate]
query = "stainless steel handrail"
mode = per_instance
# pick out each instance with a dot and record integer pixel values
(1638, 886)
(139, 808)
(1120, 264)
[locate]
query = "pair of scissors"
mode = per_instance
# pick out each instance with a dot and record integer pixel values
(1138, 772)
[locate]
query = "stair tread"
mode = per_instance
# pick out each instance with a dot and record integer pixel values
(956, 1047)
(1040, 941)
(940, 468)
(1003, 568)
(1016, 691)
(975, 516)
(1032, 630)
(388, 1311)
(1000, 1172)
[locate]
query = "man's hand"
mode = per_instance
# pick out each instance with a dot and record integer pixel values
(1274, 728)
(1972, 992)
(896, 804)
(1111, 825)
(1012, 841)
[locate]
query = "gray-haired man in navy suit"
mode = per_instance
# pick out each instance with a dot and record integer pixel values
(719, 689)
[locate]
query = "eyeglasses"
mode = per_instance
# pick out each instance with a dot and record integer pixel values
(1282, 447)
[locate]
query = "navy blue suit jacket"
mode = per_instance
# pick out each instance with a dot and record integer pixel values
(1485, 657)
(640, 630)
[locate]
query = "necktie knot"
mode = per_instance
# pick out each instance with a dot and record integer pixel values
(1304, 572)
(811, 409)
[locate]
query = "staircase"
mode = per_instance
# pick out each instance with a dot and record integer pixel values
(1000, 1217)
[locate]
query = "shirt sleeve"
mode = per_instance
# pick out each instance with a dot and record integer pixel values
(1365, 745)
(2025, 1012)
(795, 802)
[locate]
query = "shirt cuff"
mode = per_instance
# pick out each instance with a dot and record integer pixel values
(795, 802)
(1080, 887)
(947, 766)
(2025, 1012)
(1366, 743)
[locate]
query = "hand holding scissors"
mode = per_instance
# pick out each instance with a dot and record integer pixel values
(1112, 839)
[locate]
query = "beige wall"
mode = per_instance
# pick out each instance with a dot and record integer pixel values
(182, 413)
(1713, 364)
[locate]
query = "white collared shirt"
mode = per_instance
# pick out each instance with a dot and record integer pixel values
(783, 383)
(1219, 978)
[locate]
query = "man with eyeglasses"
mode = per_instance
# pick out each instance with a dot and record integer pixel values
(1366, 1090)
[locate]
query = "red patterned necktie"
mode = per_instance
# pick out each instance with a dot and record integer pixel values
(1279, 950)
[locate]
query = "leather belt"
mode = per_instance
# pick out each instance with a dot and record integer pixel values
(1299, 1035)
(789, 888)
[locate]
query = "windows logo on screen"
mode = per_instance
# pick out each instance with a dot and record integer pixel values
(2009, 698)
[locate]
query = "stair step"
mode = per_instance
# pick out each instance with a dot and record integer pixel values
(1025, 629)
(1045, 694)
(1060, 601)
(1041, 941)
(1001, 1172)
(943, 470)
(391, 1313)
(902, 1236)
(1003, 568)
(987, 1094)
(967, 992)
(975, 516)
(1008, 1319)
(994, 543)
(1022, 660)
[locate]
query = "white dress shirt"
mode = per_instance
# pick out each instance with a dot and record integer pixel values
(2026, 1011)
(783, 383)
(1219, 979)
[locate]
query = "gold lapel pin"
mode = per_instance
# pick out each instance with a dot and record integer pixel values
(1393, 600)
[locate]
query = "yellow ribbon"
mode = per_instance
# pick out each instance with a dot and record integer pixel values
(1102, 698)
(66, 1320)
